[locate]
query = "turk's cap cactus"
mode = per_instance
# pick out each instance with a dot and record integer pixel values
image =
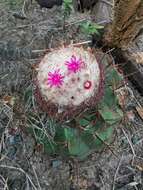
(69, 81)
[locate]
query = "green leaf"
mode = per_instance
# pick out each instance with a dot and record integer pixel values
(113, 77)
(84, 122)
(91, 116)
(109, 98)
(103, 136)
(97, 26)
(60, 134)
(95, 138)
(67, 7)
(93, 128)
(90, 28)
(109, 115)
(109, 108)
(76, 145)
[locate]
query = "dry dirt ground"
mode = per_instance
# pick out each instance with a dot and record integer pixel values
(23, 165)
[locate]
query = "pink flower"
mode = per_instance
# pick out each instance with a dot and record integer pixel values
(74, 65)
(55, 78)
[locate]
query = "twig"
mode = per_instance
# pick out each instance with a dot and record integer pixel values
(116, 173)
(76, 44)
(23, 9)
(4, 182)
(21, 170)
(39, 187)
(130, 143)
(76, 22)
(108, 3)
(82, 43)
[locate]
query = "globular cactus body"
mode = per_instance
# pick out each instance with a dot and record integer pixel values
(69, 81)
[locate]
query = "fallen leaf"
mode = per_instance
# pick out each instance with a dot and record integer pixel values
(140, 111)
(9, 100)
(140, 168)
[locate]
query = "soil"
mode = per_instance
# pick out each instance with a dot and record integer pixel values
(23, 165)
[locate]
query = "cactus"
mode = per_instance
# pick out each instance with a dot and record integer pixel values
(69, 81)
(69, 86)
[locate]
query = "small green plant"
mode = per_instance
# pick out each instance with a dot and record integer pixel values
(67, 7)
(90, 28)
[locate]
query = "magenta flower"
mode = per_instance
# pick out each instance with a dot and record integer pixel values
(74, 65)
(55, 78)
